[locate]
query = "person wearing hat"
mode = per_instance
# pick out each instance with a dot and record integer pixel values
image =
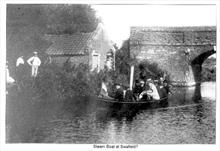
(151, 91)
(34, 62)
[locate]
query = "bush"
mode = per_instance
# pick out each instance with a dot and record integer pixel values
(152, 70)
(57, 83)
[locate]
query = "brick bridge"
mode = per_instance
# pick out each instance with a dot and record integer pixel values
(178, 50)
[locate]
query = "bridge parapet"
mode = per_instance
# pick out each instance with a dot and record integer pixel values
(173, 48)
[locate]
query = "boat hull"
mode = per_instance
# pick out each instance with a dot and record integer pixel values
(115, 104)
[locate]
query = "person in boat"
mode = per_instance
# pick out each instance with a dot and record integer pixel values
(167, 87)
(104, 90)
(138, 88)
(151, 92)
(143, 87)
(143, 73)
(161, 80)
(163, 88)
(163, 84)
(156, 83)
(129, 96)
(119, 93)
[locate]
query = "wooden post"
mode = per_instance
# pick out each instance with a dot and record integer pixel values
(131, 76)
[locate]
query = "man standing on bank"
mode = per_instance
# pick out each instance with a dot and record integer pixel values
(34, 62)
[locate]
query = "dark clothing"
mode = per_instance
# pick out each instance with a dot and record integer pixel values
(143, 75)
(162, 91)
(167, 88)
(20, 71)
(137, 88)
(129, 96)
(119, 94)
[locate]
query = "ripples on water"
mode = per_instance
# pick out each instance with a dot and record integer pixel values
(188, 118)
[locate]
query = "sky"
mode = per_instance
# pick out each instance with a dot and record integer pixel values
(117, 19)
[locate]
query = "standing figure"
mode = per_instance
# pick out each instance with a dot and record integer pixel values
(19, 68)
(9, 79)
(20, 61)
(34, 62)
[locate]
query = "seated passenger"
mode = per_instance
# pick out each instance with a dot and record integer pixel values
(138, 88)
(152, 91)
(119, 94)
(167, 87)
(162, 91)
(143, 95)
(104, 91)
(161, 80)
(128, 96)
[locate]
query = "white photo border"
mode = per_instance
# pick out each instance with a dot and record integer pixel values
(79, 147)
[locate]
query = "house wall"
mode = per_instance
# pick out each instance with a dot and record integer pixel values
(98, 43)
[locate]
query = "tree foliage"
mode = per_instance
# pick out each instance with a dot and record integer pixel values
(124, 61)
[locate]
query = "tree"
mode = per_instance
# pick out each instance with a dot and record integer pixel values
(122, 59)
(123, 63)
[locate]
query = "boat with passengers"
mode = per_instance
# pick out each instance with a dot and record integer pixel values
(142, 94)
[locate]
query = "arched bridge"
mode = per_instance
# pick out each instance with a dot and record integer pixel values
(178, 50)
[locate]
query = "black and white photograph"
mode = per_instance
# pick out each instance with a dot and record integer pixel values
(110, 75)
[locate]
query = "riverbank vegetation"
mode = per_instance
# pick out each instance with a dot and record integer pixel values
(209, 70)
(68, 81)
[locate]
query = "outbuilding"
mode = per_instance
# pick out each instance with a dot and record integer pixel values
(87, 48)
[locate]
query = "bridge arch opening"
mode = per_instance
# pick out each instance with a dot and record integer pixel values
(197, 62)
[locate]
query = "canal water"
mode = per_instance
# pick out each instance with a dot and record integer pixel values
(188, 118)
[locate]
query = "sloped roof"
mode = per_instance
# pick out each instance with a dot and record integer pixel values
(74, 44)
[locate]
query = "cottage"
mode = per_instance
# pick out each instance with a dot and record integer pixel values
(87, 48)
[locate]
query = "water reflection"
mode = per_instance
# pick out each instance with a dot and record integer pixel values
(187, 117)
